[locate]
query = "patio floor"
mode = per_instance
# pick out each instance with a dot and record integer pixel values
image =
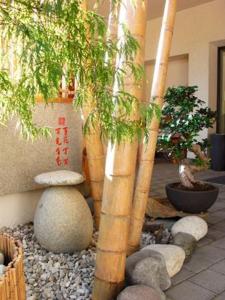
(203, 277)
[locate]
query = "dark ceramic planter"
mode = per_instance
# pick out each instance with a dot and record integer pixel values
(193, 202)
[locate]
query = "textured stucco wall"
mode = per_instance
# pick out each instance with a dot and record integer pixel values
(21, 160)
(18, 208)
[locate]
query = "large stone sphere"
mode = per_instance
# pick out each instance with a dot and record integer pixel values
(63, 221)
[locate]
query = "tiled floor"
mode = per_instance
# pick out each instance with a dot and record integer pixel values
(203, 277)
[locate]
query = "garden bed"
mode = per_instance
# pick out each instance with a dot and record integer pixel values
(58, 276)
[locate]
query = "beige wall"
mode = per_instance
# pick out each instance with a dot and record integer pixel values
(196, 30)
(20, 160)
(177, 73)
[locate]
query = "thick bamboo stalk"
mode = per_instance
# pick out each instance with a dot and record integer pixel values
(118, 183)
(148, 150)
(95, 154)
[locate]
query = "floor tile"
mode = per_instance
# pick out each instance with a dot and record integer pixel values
(205, 241)
(219, 226)
(215, 234)
(220, 297)
(211, 253)
(219, 267)
(219, 243)
(198, 263)
(181, 276)
(189, 291)
(211, 280)
(216, 217)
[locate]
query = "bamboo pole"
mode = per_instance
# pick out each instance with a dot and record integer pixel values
(118, 183)
(145, 170)
(95, 154)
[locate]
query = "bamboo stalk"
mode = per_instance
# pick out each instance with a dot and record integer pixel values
(148, 150)
(95, 155)
(118, 183)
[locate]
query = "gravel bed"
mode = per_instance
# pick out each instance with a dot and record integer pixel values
(52, 276)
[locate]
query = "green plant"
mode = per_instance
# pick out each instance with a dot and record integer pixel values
(51, 39)
(183, 117)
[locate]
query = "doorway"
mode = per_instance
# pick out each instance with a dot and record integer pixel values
(221, 91)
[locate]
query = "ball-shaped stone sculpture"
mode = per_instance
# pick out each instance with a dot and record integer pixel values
(63, 221)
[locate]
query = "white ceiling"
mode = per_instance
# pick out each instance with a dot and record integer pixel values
(155, 7)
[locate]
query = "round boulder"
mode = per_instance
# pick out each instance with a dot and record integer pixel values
(137, 292)
(193, 225)
(187, 242)
(174, 256)
(63, 221)
(61, 177)
(148, 268)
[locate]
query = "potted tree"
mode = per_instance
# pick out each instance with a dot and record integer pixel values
(183, 117)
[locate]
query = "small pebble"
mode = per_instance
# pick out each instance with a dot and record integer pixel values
(58, 276)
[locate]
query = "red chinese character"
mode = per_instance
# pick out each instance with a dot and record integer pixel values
(57, 130)
(66, 161)
(57, 151)
(65, 150)
(58, 161)
(65, 129)
(62, 121)
(65, 140)
(57, 141)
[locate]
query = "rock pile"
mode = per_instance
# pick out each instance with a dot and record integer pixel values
(149, 271)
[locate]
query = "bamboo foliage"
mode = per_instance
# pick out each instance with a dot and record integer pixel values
(145, 170)
(119, 178)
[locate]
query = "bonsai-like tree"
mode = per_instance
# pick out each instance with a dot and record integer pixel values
(184, 116)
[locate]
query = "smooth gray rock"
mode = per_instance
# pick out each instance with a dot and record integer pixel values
(2, 269)
(174, 256)
(149, 272)
(139, 292)
(60, 177)
(2, 258)
(84, 189)
(148, 268)
(193, 225)
(90, 203)
(187, 242)
(63, 221)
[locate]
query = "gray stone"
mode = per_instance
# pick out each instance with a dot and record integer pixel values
(137, 292)
(174, 256)
(2, 269)
(84, 188)
(150, 273)
(63, 221)
(60, 177)
(90, 203)
(148, 268)
(193, 225)
(187, 242)
(1, 258)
